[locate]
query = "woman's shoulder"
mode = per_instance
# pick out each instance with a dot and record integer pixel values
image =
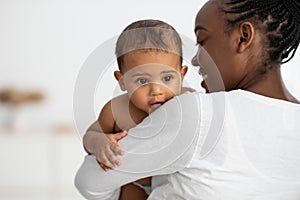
(254, 98)
(235, 99)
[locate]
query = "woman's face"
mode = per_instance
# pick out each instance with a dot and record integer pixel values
(217, 54)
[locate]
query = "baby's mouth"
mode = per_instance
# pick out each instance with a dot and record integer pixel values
(154, 106)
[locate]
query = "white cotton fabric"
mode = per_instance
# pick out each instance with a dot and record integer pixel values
(154, 147)
(246, 146)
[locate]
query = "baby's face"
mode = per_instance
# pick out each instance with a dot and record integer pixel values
(151, 78)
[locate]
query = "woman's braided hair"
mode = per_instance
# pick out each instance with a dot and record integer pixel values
(282, 19)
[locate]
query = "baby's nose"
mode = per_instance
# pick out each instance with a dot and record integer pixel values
(156, 89)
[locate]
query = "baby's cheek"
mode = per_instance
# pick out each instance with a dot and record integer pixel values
(176, 89)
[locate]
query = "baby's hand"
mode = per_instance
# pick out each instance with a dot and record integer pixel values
(107, 149)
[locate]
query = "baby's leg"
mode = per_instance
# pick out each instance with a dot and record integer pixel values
(135, 191)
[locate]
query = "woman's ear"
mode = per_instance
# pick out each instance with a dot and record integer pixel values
(246, 33)
(183, 71)
(119, 78)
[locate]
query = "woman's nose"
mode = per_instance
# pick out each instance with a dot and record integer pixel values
(156, 89)
(195, 61)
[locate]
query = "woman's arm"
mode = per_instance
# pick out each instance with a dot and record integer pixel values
(162, 144)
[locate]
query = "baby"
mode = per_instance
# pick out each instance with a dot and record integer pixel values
(149, 56)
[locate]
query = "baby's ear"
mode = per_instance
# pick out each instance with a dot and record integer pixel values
(119, 78)
(183, 71)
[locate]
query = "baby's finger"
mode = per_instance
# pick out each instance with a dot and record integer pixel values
(119, 136)
(105, 168)
(112, 157)
(117, 149)
(104, 160)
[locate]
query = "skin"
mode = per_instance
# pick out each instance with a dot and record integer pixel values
(232, 60)
(236, 58)
(150, 78)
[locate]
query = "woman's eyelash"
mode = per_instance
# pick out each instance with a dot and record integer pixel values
(199, 43)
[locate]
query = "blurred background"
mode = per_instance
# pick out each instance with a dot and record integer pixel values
(43, 47)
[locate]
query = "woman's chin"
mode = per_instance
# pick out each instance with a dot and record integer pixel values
(203, 85)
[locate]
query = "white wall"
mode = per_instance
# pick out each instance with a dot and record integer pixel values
(44, 44)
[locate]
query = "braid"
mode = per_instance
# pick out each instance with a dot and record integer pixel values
(282, 19)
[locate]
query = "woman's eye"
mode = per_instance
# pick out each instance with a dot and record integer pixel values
(168, 78)
(142, 81)
(200, 43)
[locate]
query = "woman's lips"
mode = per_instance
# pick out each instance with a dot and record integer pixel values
(202, 73)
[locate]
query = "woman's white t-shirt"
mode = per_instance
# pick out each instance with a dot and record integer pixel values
(227, 145)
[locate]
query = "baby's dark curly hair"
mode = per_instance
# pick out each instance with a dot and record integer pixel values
(148, 35)
(281, 19)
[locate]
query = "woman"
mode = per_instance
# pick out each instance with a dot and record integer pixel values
(238, 141)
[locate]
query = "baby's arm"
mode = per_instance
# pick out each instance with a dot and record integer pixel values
(95, 142)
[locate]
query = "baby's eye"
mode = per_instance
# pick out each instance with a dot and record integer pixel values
(142, 81)
(168, 78)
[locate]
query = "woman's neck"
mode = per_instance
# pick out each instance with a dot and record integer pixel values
(271, 85)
